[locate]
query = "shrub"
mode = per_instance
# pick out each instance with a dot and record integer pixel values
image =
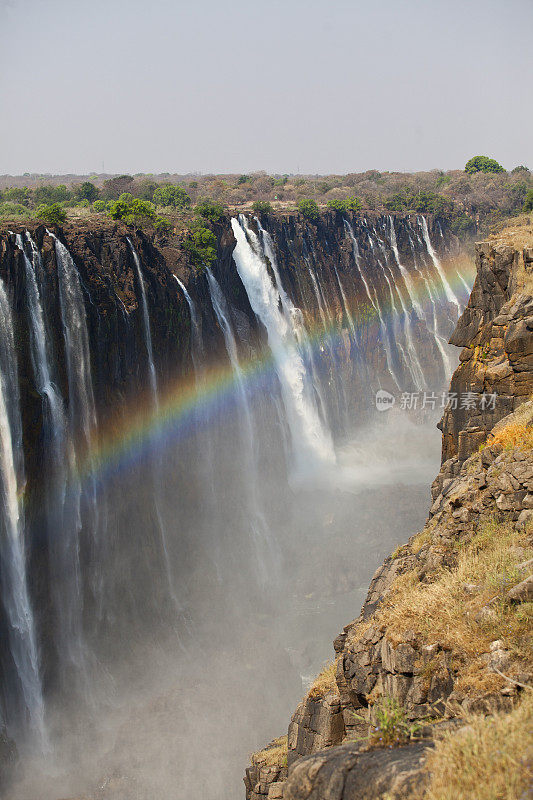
(337, 205)
(210, 210)
(99, 205)
(391, 725)
(132, 212)
(48, 195)
(201, 244)
(262, 207)
(162, 224)
(325, 682)
(482, 164)
(528, 202)
(87, 191)
(171, 195)
(53, 213)
(280, 181)
(520, 168)
(308, 209)
(243, 179)
(16, 195)
(8, 210)
(463, 225)
(354, 203)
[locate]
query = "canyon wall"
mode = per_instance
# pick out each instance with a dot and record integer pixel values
(429, 644)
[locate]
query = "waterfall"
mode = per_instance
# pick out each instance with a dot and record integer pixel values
(82, 511)
(196, 340)
(146, 327)
(15, 594)
(439, 340)
(414, 363)
(311, 443)
(450, 296)
(157, 475)
(405, 274)
(256, 519)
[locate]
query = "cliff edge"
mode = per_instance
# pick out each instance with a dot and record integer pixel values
(430, 692)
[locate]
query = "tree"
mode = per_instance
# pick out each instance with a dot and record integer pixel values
(99, 205)
(17, 195)
(209, 210)
(53, 213)
(337, 204)
(482, 164)
(354, 203)
(132, 212)
(308, 209)
(171, 195)
(87, 191)
(528, 202)
(114, 187)
(201, 244)
(48, 195)
(162, 224)
(262, 207)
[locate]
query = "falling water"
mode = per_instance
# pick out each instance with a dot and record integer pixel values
(439, 340)
(157, 466)
(450, 296)
(16, 600)
(256, 518)
(196, 344)
(311, 443)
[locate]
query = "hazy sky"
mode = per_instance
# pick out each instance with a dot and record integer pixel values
(280, 85)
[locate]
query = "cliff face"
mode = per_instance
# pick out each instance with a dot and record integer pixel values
(441, 632)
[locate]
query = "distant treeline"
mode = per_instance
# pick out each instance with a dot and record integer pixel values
(482, 190)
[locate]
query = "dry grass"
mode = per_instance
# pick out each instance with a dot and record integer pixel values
(516, 434)
(274, 755)
(490, 759)
(443, 611)
(325, 682)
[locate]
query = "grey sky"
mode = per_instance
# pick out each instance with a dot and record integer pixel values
(241, 85)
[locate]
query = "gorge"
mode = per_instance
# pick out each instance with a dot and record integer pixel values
(198, 482)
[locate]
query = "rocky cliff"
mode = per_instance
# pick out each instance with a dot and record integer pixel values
(444, 632)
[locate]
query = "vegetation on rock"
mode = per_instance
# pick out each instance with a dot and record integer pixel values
(309, 209)
(201, 245)
(54, 213)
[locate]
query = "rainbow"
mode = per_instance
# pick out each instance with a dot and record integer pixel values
(142, 430)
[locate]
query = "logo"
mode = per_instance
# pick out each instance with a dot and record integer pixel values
(384, 400)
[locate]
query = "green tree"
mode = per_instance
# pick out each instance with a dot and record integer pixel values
(309, 209)
(336, 204)
(243, 179)
(132, 212)
(171, 195)
(482, 164)
(210, 210)
(162, 224)
(17, 194)
(262, 207)
(48, 195)
(53, 213)
(528, 202)
(87, 191)
(354, 203)
(99, 205)
(201, 245)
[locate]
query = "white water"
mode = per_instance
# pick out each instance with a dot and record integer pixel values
(414, 365)
(157, 477)
(312, 447)
(258, 525)
(440, 341)
(450, 296)
(196, 344)
(16, 599)
(146, 327)
(374, 302)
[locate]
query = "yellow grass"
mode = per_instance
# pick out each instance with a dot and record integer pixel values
(325, 682)
(516, 434)
(442, 611)
(274, 755)
(490, 759)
